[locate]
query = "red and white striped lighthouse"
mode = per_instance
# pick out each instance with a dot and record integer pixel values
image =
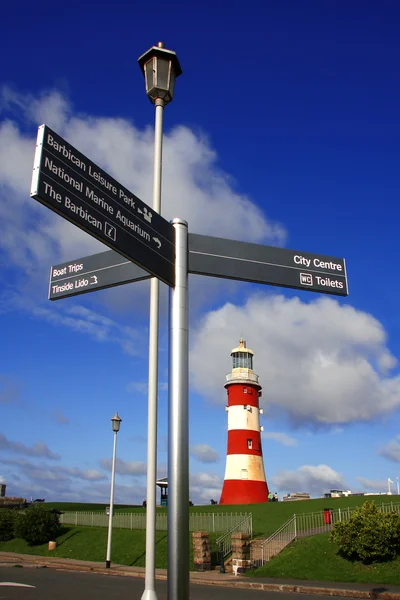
(244, 481)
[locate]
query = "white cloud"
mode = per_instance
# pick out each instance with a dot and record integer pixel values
(204, 453)
(68, 490)
(317, 361)
(38, 449)
(282, 438)
(337, 430)
(137, 387)
(193, 184)
(59, 416)
(124, 467)
(47, 473)
(141, 387)
(314, 479)
(391, 451)
(79, 319)
(371, 485)
(9, 390)
(204, 487)
(124, 494)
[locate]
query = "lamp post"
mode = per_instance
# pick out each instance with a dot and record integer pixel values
(115, 424)
(160, 68)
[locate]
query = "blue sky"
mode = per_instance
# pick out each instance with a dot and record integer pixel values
(284, 130)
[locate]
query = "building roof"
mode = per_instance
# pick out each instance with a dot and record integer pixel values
(162, 482)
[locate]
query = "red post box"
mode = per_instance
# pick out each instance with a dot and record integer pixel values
(328, 516)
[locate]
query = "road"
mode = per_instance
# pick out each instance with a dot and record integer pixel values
(65, 585)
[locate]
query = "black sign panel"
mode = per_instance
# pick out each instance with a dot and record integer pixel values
(96, 272)
(77, 189)
(209, 256)
(230, 259)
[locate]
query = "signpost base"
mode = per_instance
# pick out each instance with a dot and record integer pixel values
(149, 595)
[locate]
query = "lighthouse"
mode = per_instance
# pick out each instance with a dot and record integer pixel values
(244, 481)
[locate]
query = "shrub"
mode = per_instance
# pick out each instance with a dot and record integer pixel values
(7, 523)
(368, 535)
(37, 525)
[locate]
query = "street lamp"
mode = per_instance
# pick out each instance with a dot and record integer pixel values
(115, 424)
(160, 68)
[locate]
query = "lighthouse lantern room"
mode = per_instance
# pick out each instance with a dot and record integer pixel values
(244, 481)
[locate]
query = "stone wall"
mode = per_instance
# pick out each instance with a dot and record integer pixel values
(201, 551)
(240, 553)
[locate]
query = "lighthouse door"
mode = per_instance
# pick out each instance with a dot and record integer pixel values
(244, 473)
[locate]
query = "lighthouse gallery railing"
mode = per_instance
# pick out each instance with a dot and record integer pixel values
(211, 522)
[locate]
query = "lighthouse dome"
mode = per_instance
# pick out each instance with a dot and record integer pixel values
(242, 357)
(242, 365)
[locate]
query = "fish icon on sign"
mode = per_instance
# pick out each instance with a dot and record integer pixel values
(110, 231)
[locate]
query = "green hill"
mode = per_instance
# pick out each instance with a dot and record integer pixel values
(298, 561)
(267, 518)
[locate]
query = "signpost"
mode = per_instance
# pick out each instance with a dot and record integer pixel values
(73, 186)
(216, 257)
(230, 259)
(69, 183)
(90, 273)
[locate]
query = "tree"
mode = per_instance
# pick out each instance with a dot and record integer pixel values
(7, 523)
(38, 525)
(369, 535)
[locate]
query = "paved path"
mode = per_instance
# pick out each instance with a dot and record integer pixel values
(212, 578)
(48, 584)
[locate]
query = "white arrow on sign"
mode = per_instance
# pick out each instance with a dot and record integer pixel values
(157, 241)
(14, 584)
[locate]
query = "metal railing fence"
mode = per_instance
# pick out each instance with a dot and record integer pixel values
(224, 542)
(211, 522)
(303, 525)
(261, 551)
(314, 523)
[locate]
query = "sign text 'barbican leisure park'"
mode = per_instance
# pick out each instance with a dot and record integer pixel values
(73, 186)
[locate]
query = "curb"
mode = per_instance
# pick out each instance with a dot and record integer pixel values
(303, 589)
(232, 583)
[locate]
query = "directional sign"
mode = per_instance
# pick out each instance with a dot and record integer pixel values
(230, 259)
(96, 272)
(77, 189)
(209, 256)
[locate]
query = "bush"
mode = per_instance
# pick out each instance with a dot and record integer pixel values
(38, 525)
(7, 523)
(368, 535)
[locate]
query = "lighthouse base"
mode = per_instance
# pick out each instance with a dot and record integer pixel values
(243, 491)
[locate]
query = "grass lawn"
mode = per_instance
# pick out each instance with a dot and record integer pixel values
(315, 558)
(267, 518)
(89, 543)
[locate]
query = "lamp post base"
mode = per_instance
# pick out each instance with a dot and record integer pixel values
(108, 564)
(149, 595)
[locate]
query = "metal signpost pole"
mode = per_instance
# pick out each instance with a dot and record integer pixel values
(178, 424)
